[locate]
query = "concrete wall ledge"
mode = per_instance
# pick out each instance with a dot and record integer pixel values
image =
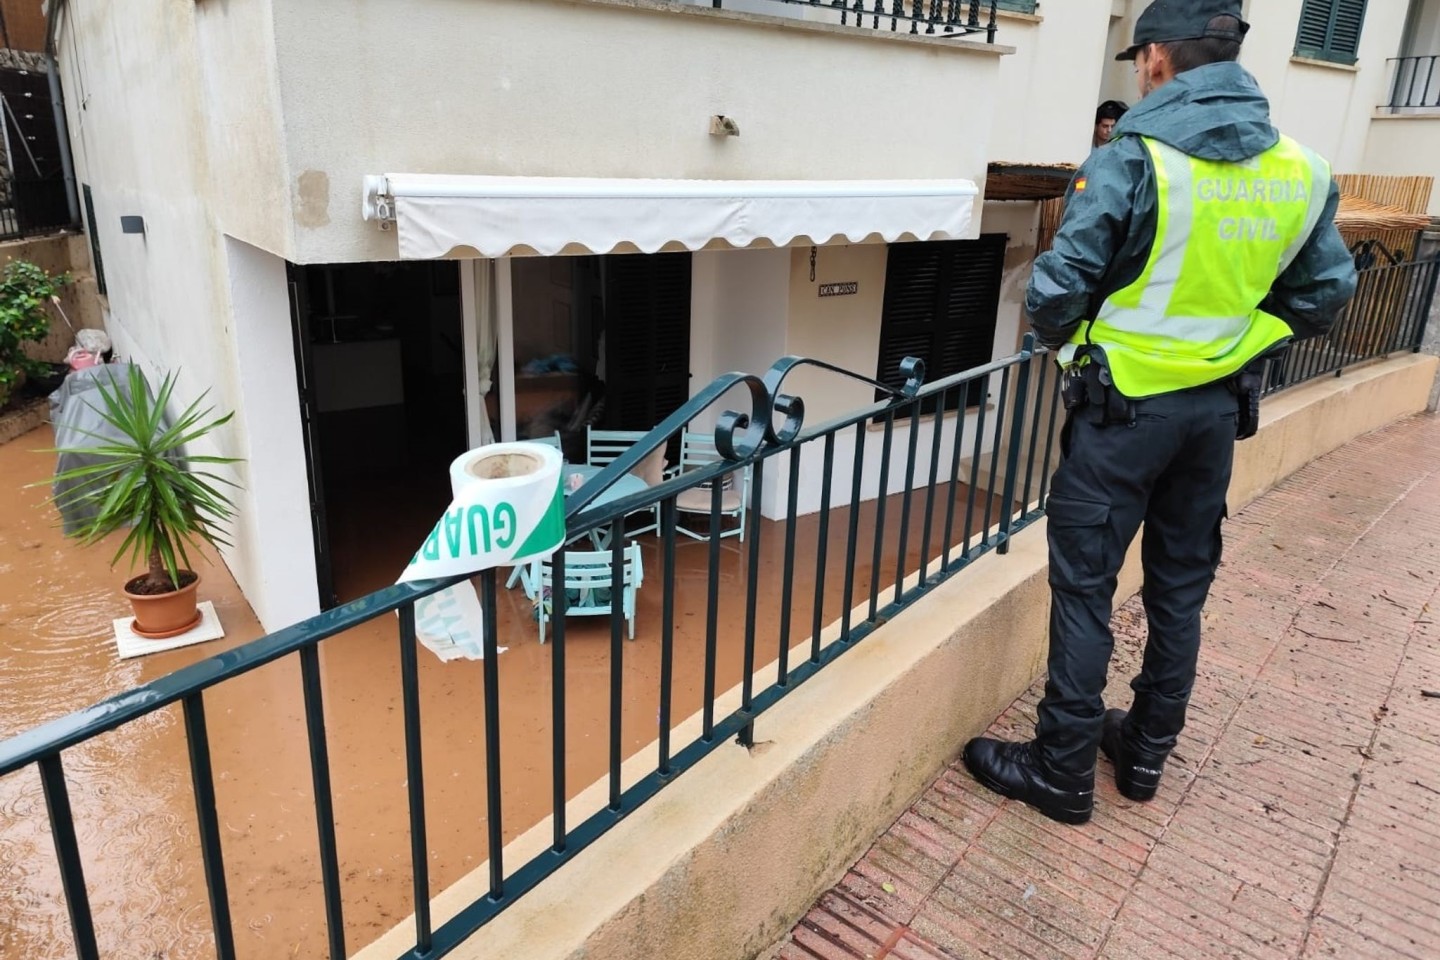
(722, 862)
(1311, 420)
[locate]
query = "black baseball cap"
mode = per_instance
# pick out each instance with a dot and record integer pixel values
(1166, 21)
(1111, 110)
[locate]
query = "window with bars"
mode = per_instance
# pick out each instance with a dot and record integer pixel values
(1017, 6)
(1330, 30)
(941, 299)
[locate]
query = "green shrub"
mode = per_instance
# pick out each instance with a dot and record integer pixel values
(25, 290)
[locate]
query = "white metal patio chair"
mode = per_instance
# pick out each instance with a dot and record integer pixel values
(603, 447)
(698, 450)
(589, 586)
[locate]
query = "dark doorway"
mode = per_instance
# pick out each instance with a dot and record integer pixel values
(599, 341)
(383, 379)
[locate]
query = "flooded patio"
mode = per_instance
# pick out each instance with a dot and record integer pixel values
(131, 791)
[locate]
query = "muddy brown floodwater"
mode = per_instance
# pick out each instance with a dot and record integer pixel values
(130, 789)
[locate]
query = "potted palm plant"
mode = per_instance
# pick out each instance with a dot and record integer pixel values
(137, 473)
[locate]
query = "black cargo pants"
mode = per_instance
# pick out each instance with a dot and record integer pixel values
(1170, 469)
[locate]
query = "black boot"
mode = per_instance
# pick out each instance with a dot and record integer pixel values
(1013, 770)
(1137, 770)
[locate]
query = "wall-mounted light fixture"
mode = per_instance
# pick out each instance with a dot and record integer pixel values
(132, 224)
(722, 126)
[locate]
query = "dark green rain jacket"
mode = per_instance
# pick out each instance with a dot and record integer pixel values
(1215, 112)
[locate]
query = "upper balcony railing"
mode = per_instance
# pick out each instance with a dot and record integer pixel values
(1415, 84)
(941, 18)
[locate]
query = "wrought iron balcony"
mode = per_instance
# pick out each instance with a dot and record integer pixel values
(943, 18)
(1415, 84)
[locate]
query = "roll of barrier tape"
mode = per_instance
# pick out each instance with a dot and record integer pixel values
(508, 509)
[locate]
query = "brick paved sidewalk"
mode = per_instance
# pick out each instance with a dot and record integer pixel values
(1298, 816)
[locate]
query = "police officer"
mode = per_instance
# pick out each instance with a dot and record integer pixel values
(1197, 242)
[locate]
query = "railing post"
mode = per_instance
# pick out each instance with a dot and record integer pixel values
(490, 675)
(1017, 439)
(1427, 307)
(203, 781)
(67, 854)
(415, 777)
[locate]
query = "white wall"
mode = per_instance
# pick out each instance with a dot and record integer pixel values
(173, 117)
(257, 120)
(1406, 145)
(844, 331)
(739, 301)
(1407, 141)
(1422, 37)
(243, 121)
(1019, 221)
(1119, 76)
(276, 565)
(1047, 92)
(751, 307)
(1327, 107)
(543, 87)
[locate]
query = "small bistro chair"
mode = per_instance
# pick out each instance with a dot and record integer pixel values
(589, 581)
(603, 447)
(698, 450)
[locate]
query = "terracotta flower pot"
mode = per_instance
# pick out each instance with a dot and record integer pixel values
(162, 615)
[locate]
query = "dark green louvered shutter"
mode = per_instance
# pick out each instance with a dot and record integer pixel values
(94, 230)
(647, 338)
(1330, 30)
(941, 299)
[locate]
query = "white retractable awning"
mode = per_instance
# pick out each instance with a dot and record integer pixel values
(436, 214)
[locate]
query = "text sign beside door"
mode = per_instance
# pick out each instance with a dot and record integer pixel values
(846, 289)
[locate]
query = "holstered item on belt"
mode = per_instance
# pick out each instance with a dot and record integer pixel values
(1109, 406)
(1072, 389)
(1088, 389)
(1247, 386)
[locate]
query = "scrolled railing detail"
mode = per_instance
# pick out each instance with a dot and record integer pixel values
(739, 436)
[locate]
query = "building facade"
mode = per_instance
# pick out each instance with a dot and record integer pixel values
(268, 148)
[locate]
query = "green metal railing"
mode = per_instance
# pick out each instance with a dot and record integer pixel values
(942, 18)
(1001, 454)
(1009, 445)
(1387, 315)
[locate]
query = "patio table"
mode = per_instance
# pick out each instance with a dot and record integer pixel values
(626, 486)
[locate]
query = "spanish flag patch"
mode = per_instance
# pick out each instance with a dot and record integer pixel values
(1081, 184)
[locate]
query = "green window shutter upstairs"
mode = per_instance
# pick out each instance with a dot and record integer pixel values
(1330, 29)
(1349, 21)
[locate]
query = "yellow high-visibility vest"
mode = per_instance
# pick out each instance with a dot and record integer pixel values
(1224, 232)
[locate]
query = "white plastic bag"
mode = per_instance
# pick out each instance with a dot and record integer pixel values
(92, 341)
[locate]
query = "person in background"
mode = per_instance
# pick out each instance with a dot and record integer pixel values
(1106, 116)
